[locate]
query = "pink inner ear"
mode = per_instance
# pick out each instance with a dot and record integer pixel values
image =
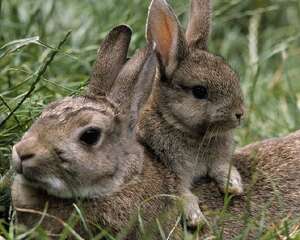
(163, 32)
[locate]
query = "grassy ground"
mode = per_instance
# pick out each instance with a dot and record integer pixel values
(259, 38)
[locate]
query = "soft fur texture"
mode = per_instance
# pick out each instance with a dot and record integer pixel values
(117, 213)
(191, 133)
(110, 178)
(270, 170)
(123, 175)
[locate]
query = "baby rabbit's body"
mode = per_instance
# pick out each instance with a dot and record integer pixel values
(192, 155)
(195, 104)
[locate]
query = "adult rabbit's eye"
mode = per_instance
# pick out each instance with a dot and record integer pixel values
(200, 92)
(90, 136)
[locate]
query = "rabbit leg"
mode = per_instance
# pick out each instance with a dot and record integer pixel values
(227, 177)
(191, 210)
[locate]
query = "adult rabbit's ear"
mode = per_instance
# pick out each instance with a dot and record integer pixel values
(165, 33)
(145, 84)
(123, 89)
(199, 25)
(111, 57)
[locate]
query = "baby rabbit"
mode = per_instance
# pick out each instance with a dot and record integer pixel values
(195, 104)
(83, 148)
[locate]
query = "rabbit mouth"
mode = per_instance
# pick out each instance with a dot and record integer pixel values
(31, 181)
(223, 126)
(235, 124)
(50, 184)
(217, 128)
(31, 176)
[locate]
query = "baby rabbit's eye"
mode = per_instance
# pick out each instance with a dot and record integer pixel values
(90, 136)
(200, 92)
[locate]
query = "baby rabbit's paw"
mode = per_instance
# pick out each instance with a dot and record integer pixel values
(192, 212)
(233, 185)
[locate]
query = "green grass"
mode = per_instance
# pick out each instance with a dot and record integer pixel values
(259, 38)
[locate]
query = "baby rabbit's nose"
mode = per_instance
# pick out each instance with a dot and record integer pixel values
(239, 115)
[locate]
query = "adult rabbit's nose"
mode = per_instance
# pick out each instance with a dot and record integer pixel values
(16, 161)
(23, 151)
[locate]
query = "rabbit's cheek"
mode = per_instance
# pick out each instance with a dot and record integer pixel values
(188, 109)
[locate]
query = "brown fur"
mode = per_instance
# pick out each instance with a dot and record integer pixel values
(269, 168)
(277, 162)
(110, 59)
(191, 133)
(110, 178)
(197, 34)
(116, 213)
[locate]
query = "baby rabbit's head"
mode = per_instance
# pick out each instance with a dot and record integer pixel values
(81, 146)
(197, 90)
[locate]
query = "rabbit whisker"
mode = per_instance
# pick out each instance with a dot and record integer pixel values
(201, 145)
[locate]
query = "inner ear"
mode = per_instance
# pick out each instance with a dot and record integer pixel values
(164, 32)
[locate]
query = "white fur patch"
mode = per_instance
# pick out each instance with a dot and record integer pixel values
(55, 183)
(57, 187)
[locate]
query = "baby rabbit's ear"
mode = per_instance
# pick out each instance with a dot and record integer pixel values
(199, 25)
(111, 57)
(164, 31)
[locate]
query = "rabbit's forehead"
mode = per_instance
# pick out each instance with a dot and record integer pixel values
(69, 106)
(209, 70)
(63, 117)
